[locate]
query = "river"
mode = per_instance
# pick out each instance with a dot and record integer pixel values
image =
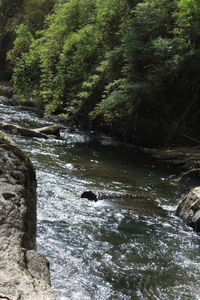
(91, 256)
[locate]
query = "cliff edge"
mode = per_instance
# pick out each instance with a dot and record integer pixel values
(24, 273)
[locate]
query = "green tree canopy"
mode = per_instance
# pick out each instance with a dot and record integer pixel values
(130, 68)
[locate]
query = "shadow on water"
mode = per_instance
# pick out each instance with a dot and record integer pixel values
(116, 248)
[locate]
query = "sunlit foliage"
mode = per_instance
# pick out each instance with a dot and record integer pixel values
(130, 68)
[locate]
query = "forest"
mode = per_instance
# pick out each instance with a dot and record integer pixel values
(127, 68)
(99, 149)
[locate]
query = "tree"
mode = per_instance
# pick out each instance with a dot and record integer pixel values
(9, 16)
(130, 68)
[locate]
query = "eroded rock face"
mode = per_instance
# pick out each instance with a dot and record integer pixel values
(24, 273)
(189, 209)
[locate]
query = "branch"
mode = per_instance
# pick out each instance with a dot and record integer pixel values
(192, 139)
(186, 173)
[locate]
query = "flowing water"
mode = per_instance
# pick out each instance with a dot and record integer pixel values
(93, 255)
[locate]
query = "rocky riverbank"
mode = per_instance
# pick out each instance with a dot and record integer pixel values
(24, 273)
(187, 159)
(189, 209)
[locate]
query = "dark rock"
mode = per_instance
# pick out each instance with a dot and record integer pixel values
(89, 195)
(189, 209)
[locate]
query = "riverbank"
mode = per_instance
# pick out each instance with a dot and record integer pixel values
(186, 158)
(111, 248)
(24, 273)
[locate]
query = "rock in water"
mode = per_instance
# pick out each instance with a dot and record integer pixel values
(24, 273)
(89, 195)
(189, 209)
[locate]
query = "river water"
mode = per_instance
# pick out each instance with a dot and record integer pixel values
(92, 256)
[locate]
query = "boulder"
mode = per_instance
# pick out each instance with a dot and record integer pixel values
(24, 273)
(189, 209)
(89, 195)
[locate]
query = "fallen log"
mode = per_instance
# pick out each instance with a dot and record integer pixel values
(16, 129)
(49, 130)
(43, 132)
(185, 157)
(186, 174)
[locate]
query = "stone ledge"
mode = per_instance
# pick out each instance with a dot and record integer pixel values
(24, 273)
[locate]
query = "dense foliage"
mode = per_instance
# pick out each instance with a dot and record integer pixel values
(127, 67)
(9, 18)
